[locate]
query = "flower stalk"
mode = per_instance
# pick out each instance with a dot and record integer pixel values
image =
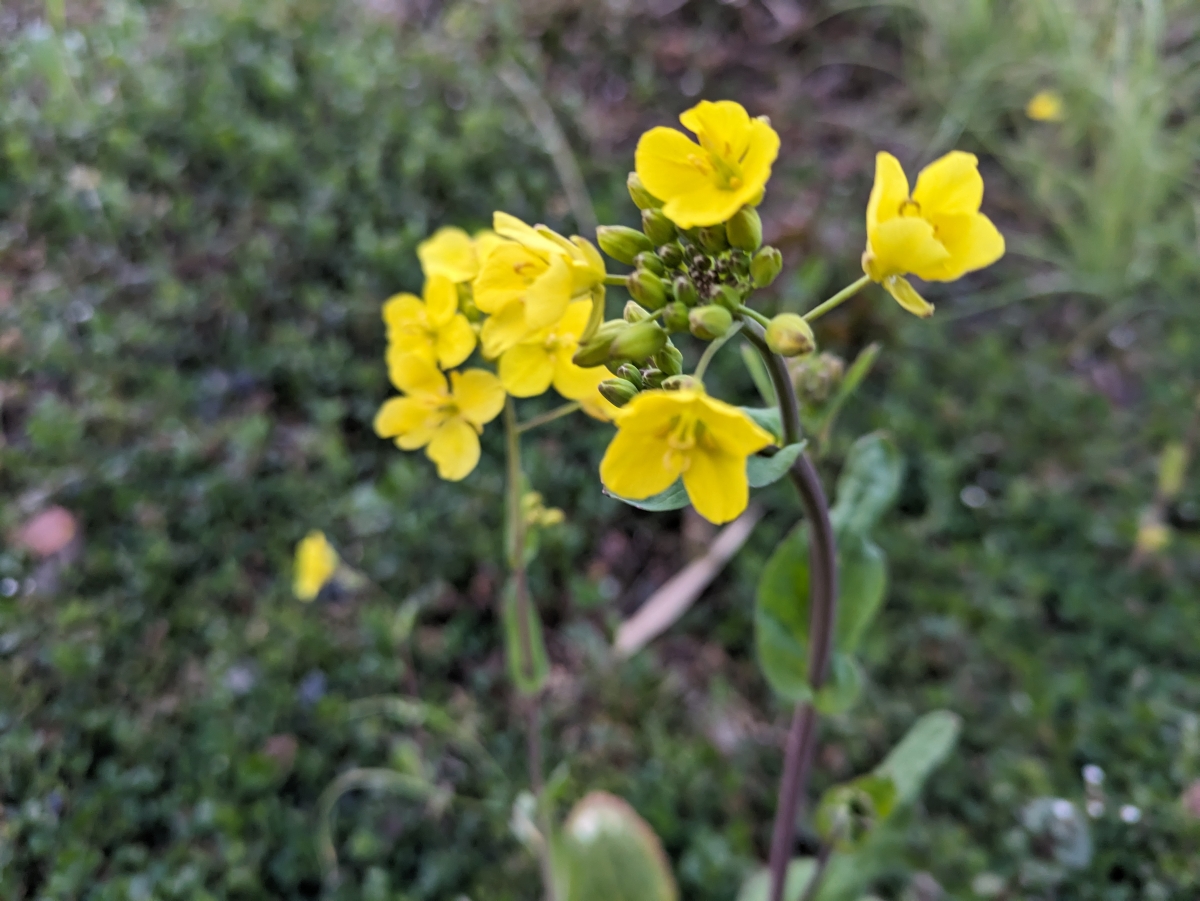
(837, 300)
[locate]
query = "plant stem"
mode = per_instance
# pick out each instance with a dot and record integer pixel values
(845, 294)
(515, 515)
(823, 590)
(755, 315)
(711, 351)
(548, 416)
(814, 884)
(616, 280)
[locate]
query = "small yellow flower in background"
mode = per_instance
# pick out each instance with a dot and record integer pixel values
(706, 183)
(543, 358)
(316, 562)
(433, 328)
(1045, 106)
(662, 435)
(527, 281)
(936, 234)
(537, 514)
(445, 419)
(452, 253)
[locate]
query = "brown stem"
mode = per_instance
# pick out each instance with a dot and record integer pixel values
(823, 591)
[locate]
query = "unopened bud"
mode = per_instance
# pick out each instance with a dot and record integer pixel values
(621, 243)
(739, 263)
(658, 228)
(466, 303)
(635, 312)
(685, 291)
(653, 378)
(709, 321)
(765, 266)
(682, 383)
(671, 255)
(713, 239)
(790, 336)
(618, 392)
(638, 193)
(647, 289)
(744, 230)
(649, 260)
(630, 373)
(728, 297)
(669, 359)
(594, 351)
(675, 317)
(638, 342)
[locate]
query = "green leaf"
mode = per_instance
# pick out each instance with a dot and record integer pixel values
(608, 853)
(920, 752)
(799, 874)
(843, 687)
(847, 813)
(674, 498)
(762, 471)
(781, 617)
(528, 670)
(862, 584)
(869, 483)
(767, 418)
(758, 373)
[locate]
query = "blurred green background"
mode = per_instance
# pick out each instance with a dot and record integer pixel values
(202, 206)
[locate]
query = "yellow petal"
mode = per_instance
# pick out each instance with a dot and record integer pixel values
(506, 275)
(415, 374)
(441, 300)
(670, 164)
(707, 205)
(401, 310)
(419, 437)
(1045, 106)
(547, 298)
(526, 235)
(485, 241)
(732, 429)
(638, 465)
(761, 151)
(649, 411)
(316, 562)
(448, 253)
(455, 449)
(599, 407)
(906, 295)
(889, 192)
(716, 484)
(949, 186)
(905, 244)
(592, 259)
(455, 341)
(576, 382)
(723, 127)
(574, 320)
(526, 370)
(973, 243)
(478, 395)
(503, 330)
(402, 416)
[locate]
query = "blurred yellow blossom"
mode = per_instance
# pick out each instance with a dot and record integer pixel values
(433, 328)
(706, 183)
(937, 233)
(543, 358)
(445, 419)
(452, 253)
(316, 562)
(1045, 106)
(665, 434)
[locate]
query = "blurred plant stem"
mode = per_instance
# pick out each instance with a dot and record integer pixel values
(837, 300)
(515, 514)
(802, 736)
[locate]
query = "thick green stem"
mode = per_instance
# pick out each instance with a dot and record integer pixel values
(823, 590)
(711, 351)
(837, 300)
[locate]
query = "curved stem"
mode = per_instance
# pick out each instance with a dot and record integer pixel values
(755, 315)
(823, 590)
(711, 351)
(548, 416)
(845, 294)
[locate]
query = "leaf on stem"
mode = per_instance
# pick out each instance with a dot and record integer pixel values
(869, 483)
(528, 663)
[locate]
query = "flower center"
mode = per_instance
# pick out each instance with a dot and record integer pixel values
(910, 208)
(684, 433)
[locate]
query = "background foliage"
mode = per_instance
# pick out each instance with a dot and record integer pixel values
(204, 204)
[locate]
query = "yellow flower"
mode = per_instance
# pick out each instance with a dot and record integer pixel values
(937, 234)
(433, 329)
(664, 434)
(452, 253)
(444, 419)
(1045, 106)
(527, 281)
(706, 183)
(543, 358)
(316, 562)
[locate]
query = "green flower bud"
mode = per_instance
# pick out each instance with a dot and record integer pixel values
(728, 297)
(618, 392)
(790, 336)
(658, 228)
(709, 321)
(739, 263)
(685, 291)
(638, 342)
(765, 266)
(647, 289)
(635, 312)
(466, 304)
(744, 230)
(713, 239)
(648, 260)
(594, 351)
(631, 374)
(669, 359)
(622, 243)
(653, 378)
(638, 193)
(671, 255)
(675, 318)
(682, 383)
